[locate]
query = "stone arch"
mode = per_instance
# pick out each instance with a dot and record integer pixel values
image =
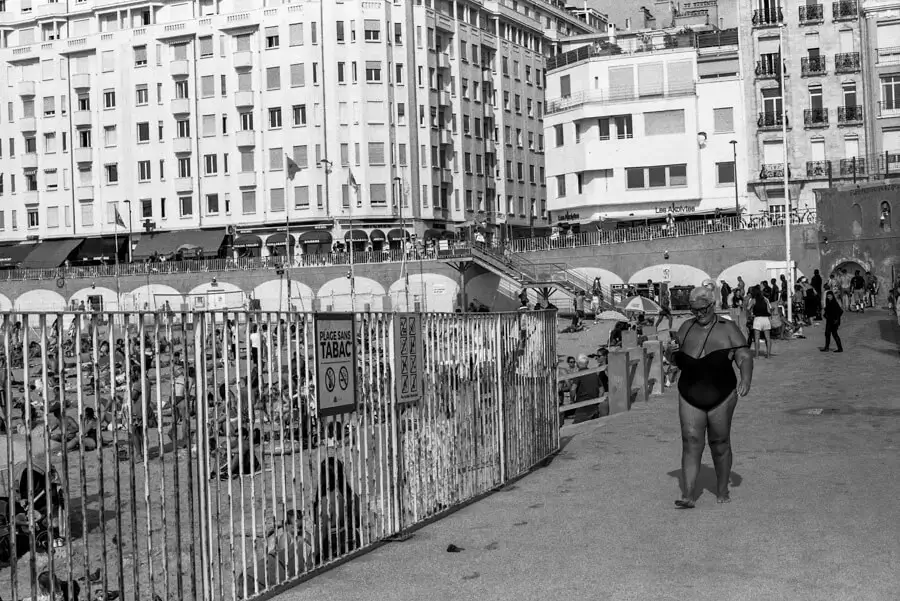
(5, 303)
(753, 272)
(856, 220)
(152, 297)
(272, 295)
(607, 278)
(111, 301)
(433, 291)
(217, 296)
(851, 265)
(336, 294)
(39, 300)
(676, 274)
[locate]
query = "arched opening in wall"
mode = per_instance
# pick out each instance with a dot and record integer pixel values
(885, 217)
(856, 219)
(851, 266)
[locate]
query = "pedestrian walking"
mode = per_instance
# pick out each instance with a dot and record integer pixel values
(760, 310)
(833, 313)
(858, 284)
(708, 390)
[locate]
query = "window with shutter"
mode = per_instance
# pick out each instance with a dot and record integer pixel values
(179, 52)
(248, 202)
(209, 125)
(378, 195)
(372, 30)
(296, 34)
(376, 153)
(273, 78)
(301, 156)
(723, 120)
(298, 75)
(206, 46)
(242, 43)
(276, 162)
(650, 79)
(345, 155)
(245, 82)
(276, 200)
(207, 86)
(301, 197)
(565, 86)
(49, 106)
(621, 82)
(888, 37)
(108, 61)
(248, 164)
(680, 75)
(662, 123)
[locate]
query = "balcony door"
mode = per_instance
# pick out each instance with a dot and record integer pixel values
(772, 104)
(815, 98)
(773, 152)
(851, 147)
(846, 40)
(817, 150)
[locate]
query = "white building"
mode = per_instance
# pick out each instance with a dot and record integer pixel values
(178, 116)
(643, 125)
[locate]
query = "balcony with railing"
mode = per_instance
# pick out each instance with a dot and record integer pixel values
(853, 167)
(818, 169)
(769, 66)
(889, 108)
(850, 115)
(812, 13)
(888, 55)
(770, 16)
(772, 171)
(844, 10)
(770, 120)
(812, 65)
(815, 117)
(846, 62)
(577, 99)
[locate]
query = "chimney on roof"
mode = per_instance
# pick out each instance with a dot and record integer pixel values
(611, 32)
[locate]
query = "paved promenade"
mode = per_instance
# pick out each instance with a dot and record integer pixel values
(815, 512)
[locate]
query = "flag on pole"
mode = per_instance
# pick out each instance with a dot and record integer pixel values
(292, 167)
(119, 221)
(352, 180)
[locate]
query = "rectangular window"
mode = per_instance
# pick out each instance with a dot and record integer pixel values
(723, 120)
(210, 164)
(559, 134)
(206, 46)
(143, 132)
(276, 159)
(560, 186)
(208, 124)
(207, 86)
(184, 167)
(298, 113)
(212, 204)
(276, 200)
(273, 78)
(301, 197)
(298, 75)
(144, 171)
(377, 195)
(372, 30)
(301, 156)
(275, 118)
(112, 173)
(186, 206)
(296, 34)
(141, 96)
(661, 123)
(634, 177)
(725, 172)
(248, 202)
(272, 40)
(140, 56)
(339, 31)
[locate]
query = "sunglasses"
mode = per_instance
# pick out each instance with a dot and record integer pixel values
(701, 310)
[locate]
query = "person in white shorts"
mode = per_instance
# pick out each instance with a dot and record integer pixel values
(761, 311)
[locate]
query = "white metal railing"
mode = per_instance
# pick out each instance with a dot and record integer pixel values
(218, 455)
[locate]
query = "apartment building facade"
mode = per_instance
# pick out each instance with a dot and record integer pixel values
(645, 125)
(818, 46)
(880, 27)
(180, 116)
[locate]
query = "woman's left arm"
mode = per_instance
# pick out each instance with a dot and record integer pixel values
(742, 357)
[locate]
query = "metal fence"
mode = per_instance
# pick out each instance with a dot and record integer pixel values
(216, 456)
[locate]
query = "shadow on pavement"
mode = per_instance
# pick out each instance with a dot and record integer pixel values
(706, 480)
(890, 331)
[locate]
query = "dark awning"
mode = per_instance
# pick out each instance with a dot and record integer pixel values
(430, 234)
(166, 243)
(51, 253)
(279, 239)
(13, 254)
(100, 249)
(397, 234)
(448, 235)
(356, 236)
(315, 237)
(247, 241)
(377, 236)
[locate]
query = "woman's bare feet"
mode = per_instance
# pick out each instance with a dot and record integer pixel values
(684, 504)
(726, 498)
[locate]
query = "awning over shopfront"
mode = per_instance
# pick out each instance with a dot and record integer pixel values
(166, 243)
(278, 240)
(51, 253)
(315, 237)
(356, 236)
(377, 236)
(247, 241)
(100, 249)
(432, 234)
(397, 234)
(13, 254)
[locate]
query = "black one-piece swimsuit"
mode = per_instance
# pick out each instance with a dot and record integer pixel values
(706, 381)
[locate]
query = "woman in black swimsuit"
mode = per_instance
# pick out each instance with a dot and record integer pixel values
(708, 390)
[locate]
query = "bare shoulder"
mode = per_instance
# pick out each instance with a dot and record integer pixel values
(682, 331)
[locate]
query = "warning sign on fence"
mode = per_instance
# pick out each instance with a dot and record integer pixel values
(336, 363)
(408, 363)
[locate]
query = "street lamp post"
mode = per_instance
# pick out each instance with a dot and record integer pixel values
(130, 231)
(737, 206)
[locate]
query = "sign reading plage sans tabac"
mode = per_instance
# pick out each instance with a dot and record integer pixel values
(408, 357)
(336, 363)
